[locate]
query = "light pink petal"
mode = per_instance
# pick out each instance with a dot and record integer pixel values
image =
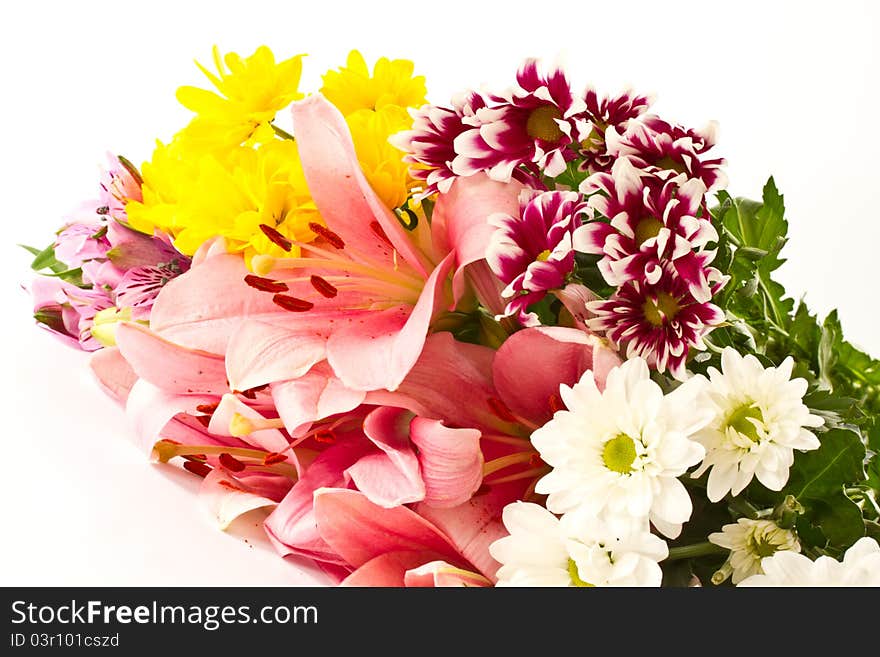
(271, 440)
(292, 526)
(227, 499)
(359, 530)
(152, 410)
(316, 395)
(169, 366)
(337, 184)
(378, 351)
(473, 526)
(533, 363)
(460, 222)
(442, 574)
(202, 308)
(385, 570)
(461, 370)
(259, 353)
(451, 461)
(391, 477)
(113, 373)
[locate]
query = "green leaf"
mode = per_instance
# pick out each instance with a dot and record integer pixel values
(839, 518)
(31, 249)
(818, 479)
(838, 462)
(46, 259)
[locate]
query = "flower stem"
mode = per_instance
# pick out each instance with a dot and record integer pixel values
(694, 550)
(282, 133)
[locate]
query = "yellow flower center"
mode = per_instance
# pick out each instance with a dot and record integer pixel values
(662, 309)
(647, 228)
(619, 454)
(762, 547)
(542, 124)
(543, 256)
(575, 576)
(745, 421)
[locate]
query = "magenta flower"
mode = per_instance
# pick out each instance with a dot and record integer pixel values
(614, 111)
(532, 253)
(429, 144)
(644, 221)
(534, 124)
(607, 112)
(669, 149)
(660, 322)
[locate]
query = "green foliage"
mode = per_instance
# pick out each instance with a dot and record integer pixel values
(835, 488)
(46, 264)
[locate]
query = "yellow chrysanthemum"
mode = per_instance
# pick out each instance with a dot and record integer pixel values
(251, 92)
(381, 162)
(352, 88)
(167, 179)
(232, 198)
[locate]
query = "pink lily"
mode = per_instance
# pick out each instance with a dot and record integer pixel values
(405, 547)
(365, 287)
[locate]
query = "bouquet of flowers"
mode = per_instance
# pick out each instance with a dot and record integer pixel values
(523, 338)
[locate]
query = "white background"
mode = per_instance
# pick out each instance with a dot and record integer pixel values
(795, 85)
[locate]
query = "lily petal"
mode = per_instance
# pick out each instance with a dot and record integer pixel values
(170, 366)
(451, 461)
(316, 395)
(460, 222)
(533, 363)
(378, 351)
(113, 373)
(259, 353)
(359, 530)
(227, 499)
(391, 477)
(337, 184)
(442, 574)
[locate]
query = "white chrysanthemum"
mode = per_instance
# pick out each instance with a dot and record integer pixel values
(750, 541)
(577, 550)
(860, 567)
(759, 422)
(622, 450)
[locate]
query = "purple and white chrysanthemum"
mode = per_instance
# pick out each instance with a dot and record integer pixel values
(534, 124)
(661, 322)
(607, 112)
(669, 149)
(532, 253)
(642, 221)
(429, 144)
(615, 111)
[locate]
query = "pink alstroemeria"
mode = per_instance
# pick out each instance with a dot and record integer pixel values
(669, 149)
(535, 124)
(644, 221)
(68, 310)
(531, 251)
(120, 183)
(661, 322)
